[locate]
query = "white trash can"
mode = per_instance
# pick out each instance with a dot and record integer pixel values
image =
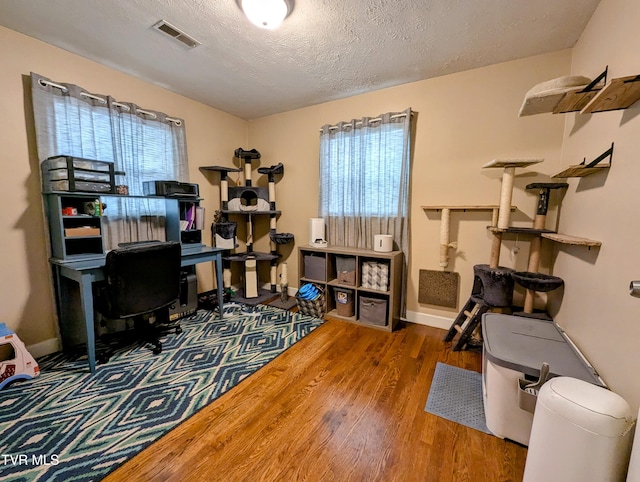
(634, 460)
(581, 432)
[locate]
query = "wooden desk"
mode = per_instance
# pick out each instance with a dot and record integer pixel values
(75, 300)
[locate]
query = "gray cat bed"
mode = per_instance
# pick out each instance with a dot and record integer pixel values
(493, 285)
(537, 281)
(281, 238)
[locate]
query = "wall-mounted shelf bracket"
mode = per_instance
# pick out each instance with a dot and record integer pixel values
(574, 101)
(583, 169)
(608, 153)
(600, 78)
(445, 244)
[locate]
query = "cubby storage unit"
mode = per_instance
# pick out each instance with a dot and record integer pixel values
(76, 223)
(331, 268)
(74, 235)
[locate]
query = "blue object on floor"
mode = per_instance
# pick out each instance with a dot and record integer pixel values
(456, 394)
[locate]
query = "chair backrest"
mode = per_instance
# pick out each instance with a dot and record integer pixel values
(142, 278)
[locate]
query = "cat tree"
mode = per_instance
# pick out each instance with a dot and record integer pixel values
(251, 201)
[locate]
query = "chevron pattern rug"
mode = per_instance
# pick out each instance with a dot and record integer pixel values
(69, 425)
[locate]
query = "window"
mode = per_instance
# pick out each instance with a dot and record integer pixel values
(362, 172)
(144, 149)
(146, 145)
(364, 182)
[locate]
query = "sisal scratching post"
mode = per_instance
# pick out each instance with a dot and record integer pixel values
(539, 223)
(506, 194)
(444, 238)
(534, 260)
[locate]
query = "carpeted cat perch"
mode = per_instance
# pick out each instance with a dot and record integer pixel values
(544, 97)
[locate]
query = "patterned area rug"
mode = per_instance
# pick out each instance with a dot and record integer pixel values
(68, 425)
(456, 394)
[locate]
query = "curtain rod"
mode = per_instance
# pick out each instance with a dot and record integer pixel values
(359, 123)
(102, 100)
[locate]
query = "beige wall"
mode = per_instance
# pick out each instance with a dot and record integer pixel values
(464, 121)
(596, 309)
(26, 297)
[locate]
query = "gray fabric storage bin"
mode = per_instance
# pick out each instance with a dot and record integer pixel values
(315, 267)
(346, 270)
(373, 310)
(375, 275)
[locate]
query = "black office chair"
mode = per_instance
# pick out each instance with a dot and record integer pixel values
(142, 281)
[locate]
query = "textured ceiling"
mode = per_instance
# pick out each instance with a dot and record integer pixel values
(325, 50)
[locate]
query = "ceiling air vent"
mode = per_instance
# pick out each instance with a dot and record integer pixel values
(173, 32)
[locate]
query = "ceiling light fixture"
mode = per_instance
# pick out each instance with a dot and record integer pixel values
(267, 14)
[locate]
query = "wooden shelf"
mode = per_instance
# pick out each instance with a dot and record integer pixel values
(593, 167)
(581, 171)
(551, 235)
(575, 101)
(573, 240)
(619, 93)
(465, 208)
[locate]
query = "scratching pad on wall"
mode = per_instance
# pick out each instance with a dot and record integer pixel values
(438, 288)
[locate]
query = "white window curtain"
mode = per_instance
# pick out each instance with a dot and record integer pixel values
(146, 145)
(364, 181)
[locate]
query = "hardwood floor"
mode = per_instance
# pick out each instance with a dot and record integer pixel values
(346, 403)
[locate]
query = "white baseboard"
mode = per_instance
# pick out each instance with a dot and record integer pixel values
(429, 320)
(43, 348)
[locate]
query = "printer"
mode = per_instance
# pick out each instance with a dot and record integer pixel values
(169, 189)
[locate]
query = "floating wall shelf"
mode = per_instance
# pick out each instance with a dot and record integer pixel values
(575, 101)
(581, 171)
(551, 235)
(593, 167)
(573, 240)
(464, 208)
(598, 96)
(445, 245)
(619, 93)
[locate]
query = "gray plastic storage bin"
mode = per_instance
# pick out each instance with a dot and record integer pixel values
(373, 310)
(515, 349)
(315, 267)
(74, 174)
